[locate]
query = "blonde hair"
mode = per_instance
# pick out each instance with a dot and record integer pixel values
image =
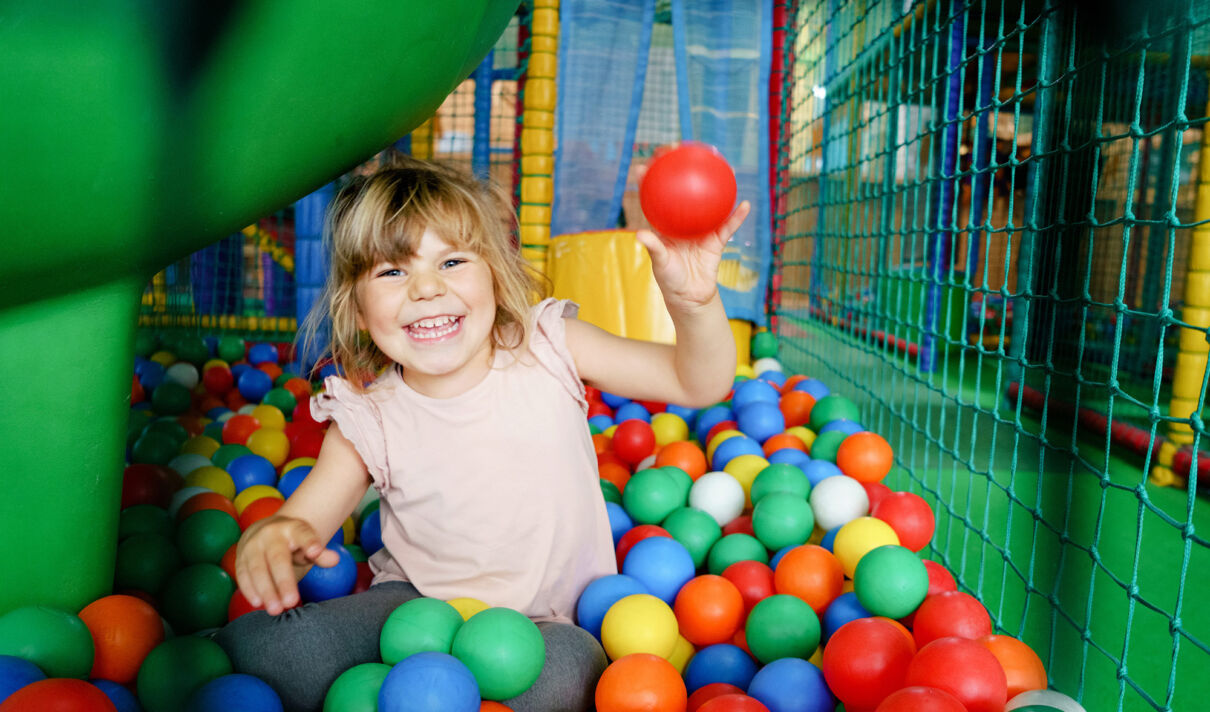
(381, 217)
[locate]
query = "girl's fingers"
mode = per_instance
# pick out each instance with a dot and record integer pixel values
(737, 218)
(655, 246)
(327, 559)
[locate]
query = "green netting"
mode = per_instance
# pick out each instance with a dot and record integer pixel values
(989, 197)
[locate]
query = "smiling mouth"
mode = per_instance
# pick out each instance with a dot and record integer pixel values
(434, 329)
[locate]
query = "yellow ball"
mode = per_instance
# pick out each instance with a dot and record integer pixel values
(858, 537)
(669, 428)
(273, 445)
(269, 416)
(250, 494)
(214, 362)
(681, 653)
(212, 478)
(298, 462)
(717, 440)
(806, 435)
(350, 530)
(610, 430)
(164, 358)
(467, 607)
(744, 370)
(745, 468)
(203, 445)
(639, 623)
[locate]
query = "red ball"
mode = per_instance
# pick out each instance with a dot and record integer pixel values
(940, 579)
(257, 510)
(305, 442)
(740, 525)
(875, 491)
(921, 699)
(720, 427)
(705, 693)
(866, 660)
(364, 577)
(238, 427)
(58, 694)
(239, 606)
(753, 579)
(688, 191)
(963, 668)
(218, 380)
(633, 440)
(909, 515)
(733, 703)
(950, 614)
(144, 483)
(599, 408)
(302, 413)
(634, 535)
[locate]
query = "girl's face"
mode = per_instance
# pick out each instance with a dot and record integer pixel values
(433, 315)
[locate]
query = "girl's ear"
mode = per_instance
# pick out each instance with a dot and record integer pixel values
(361, 323)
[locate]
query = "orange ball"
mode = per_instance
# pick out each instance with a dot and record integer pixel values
(490, 706)
(124, 630)
(796, 407)
(791, 382)
(685, 455)
(300, 388)
(1021, 664)
(600, 442)
(709, 609)
(615, 473)
(641, 682)
(783, 441)
(238, 428)
(270, 368)
(227, 563)
(205, 500)
(812, 573)
(257, 510)
(865, 456)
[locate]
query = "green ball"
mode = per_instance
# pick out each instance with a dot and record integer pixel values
(206, 535)
(145, 562)
(175, 668)
(144, 519)
(651, 495)
(782, 519)
(192, 349)
(831, 408)
(285, 376)
(231, 348)
(371, 507)
(593, 430)
(358, 553)
(144, 343)
(733, 548)
(223, 456)
(155, 448)
(170, 428)
(356, 690)
(281, 399)
(781, 626)
(417, 626)
(780, 477)
(56, 641)
(890, 581)
(682, 478)
(610, 491)
(827, 444)
(764, 345)
(214, 431)
(196, 597)
(170, 398)
(503, 649)
(696, 530)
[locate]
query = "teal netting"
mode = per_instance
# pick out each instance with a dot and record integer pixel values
(988, 216)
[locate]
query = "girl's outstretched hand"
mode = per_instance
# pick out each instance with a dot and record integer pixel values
(266, 557)
(687, 270)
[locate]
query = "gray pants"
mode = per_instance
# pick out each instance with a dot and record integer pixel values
(302, 651)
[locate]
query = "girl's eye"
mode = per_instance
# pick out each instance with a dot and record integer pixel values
(390, 272)
(453, 262)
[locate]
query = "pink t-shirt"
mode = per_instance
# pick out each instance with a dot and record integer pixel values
(492, 494)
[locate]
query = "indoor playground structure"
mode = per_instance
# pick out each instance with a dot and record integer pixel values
(962, 467)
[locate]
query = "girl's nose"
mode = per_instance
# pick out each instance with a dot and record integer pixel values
(426, 284)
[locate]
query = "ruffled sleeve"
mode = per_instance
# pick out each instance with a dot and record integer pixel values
(360, 421)
(549, 345)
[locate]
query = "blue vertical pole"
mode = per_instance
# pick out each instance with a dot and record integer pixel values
(984, 147)
(310, 260)
(481, 149)
(939, 250)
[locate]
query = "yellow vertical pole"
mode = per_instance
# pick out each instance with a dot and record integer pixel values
(422, 140)
(538, 133)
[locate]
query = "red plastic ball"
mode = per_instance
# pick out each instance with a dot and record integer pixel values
(144, 483)
(705, 693)
(257, 510)
(306, 442)
(633, 440)
(866, 660)
(709, 609)
(238, 427)
(239, 606)
(753, 579)
(634, 535)
(940, 579)
(733, 703)
(875, 491)
(963, 668)
(740, 525)
(302, 413)
(365, 577)
(688, 191)
(218, 380)
(950, 614)
(599, 408)
(720, 427)
(921, 699)
(58, 694)
(909, 515)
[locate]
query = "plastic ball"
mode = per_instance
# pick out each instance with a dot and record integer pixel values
(740, 525)
(467, 607)
(600, 595)
(1022, 666)
(710, 417)
(940, 579)
(778, 477)
(685, 455)
(619, 521)
(322, 583)
(253, 384)
(705, 693)
(695, 530)
(356, 689)
(16, 673)
(253, 493)
(633, 440)
(732, 548)
(639, 623)
(503, 649)
(688, 191)
(722, 662)
(857, 537)
(124, 631)
(237, 690)
(640, 682)
(718, 494)
(421, 624)
(218, 380)
(429, 682)
(796, 407)
(238, 428)
(733, 703)
(177, 667)
(921, 699)
(826, 445)
(58, 695)
(829, 408)
(745, 468)
(731, 448)
(781, 626)
(760, 420)
(754, 391)
(791, 685)
(58, 642)
(120, 695)
(662, 564)
(171, 398)
(963, 668)
(841, 610)
(791, 456)
(838, 500)
(909, 515)
(753, 579)
(196, 597)
(812, 573)
(709, 609)
(273, 445)
(764, 345)
(865, 456)
(144, 562)
(183, 374)
(846, 427)
(890, 581)
(651, 495)
(148, 484)
(1043, 701)
(204, 536)
(950, 614)
(668, 428)
(865, 661)
(631, 411)
(258, 510)
(782, 519)
(819, 470)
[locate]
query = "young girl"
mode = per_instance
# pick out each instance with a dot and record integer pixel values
(464, 406)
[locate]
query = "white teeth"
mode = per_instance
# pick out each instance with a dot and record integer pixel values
(433, 328)
(434, 322)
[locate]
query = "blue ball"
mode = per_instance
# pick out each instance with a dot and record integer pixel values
(253, 384)
(429, 682)
(16, 673)
(370, 534)
(599, 595)
(660, 563)
(732, 448)
(791, 685)
(709, 418)
(819, 470)
(760, 420)
(602, 422)
(122, 698)
(813, 386)
(754, 390)
(238, 370)
(829, 539)
(619, 521)
(843, 609)
(291, 479)
(847, 427)
(262, 353)
(686, 414)
(151, 375)
(780, 553)
(248, 470)
(234, 691)
(211, 343)
(790, 456)
(775, 378)
(721, 662)
(321, 584)
(329, 369)
(613, 401)
(629, 411)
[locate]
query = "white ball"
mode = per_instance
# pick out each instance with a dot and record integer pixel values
(761, 365)
(247, 408)
(718, 494)
(225, 416)
(182, 495)
(183, 373)
(838, 500)
(188, 462)
(1049, 698)
(645, 463)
